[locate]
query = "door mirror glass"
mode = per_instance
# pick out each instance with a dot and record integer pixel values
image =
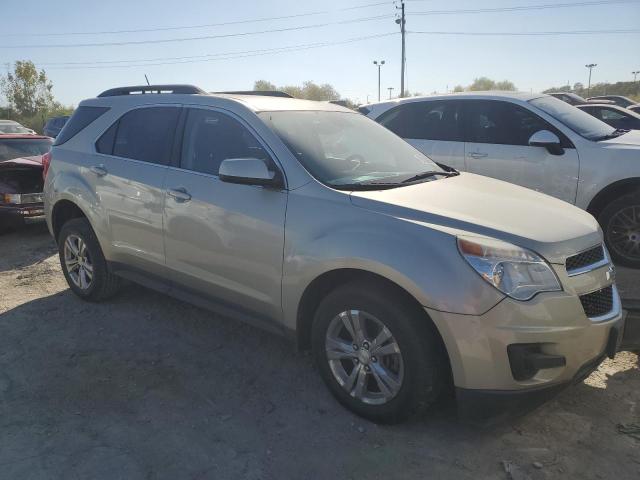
(548, 140)
(248, 171)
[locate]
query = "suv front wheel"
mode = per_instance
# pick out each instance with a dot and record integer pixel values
(83, 262)
(620, 221)
(379, 357)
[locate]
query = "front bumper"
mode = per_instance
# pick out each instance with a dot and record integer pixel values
(20, 214)
(554, 322)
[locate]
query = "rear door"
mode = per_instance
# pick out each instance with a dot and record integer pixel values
(129, 180)
(433, 127)
(223, 240)
(497, 134)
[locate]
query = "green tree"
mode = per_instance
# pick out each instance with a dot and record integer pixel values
(458, 88)
(27, 90)
(484, 83)
(309, 90)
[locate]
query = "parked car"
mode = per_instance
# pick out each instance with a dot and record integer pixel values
(634, 108)
(54, 125)
(14, 128)
(616, 99)
(570, 98)
(315, 222)
(21, 179)
(536, 141)
(613, 115)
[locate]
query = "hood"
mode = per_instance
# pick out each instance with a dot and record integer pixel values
(472, 204)
(35, 161)
(631, 138)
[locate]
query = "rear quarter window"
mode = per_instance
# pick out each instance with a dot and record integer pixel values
(81, 118)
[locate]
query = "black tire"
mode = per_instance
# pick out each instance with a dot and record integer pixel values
(610, 218)
(104, 284)
(424, 368)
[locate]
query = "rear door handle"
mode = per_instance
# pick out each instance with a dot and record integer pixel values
(179, 194)
(477, 155)
(99, 170)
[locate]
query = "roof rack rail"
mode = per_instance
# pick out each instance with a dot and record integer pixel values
(143, 89)
(264, 93)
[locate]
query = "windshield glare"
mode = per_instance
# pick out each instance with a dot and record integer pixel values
(342, 148)
(16, 148)
(580, 122)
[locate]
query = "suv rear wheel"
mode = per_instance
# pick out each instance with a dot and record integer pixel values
(83, 262)
(378, 356)
(620, 221)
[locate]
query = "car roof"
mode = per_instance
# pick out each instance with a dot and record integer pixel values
(256, 103)
(12, 122)
(480, 95)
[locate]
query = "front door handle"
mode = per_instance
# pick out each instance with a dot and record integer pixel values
(477, 155)
(179, 194)
(99, 170)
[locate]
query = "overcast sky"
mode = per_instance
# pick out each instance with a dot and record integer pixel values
(434, 61)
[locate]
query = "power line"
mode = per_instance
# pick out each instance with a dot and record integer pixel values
(189, 27)
(522, 8)
(215, 56)
(524, 34)
(201, 37)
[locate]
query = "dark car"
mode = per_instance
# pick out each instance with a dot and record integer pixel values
(613, 115)
(634, 108)
(54, 125)
(616, 99)
(21, 178)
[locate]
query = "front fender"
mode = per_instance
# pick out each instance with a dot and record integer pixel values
(423, 261)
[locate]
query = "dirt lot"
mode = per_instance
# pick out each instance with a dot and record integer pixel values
(147, 387)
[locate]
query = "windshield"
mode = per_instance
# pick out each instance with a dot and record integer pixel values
(343, 149)
(580, 122)
(13, 128)
(11, 148)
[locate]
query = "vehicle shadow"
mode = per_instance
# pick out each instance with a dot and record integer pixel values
(145, 386)
(25, 246)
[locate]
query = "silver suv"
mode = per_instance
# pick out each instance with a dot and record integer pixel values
(313, 221)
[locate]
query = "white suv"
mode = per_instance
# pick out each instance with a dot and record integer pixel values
(536, 141)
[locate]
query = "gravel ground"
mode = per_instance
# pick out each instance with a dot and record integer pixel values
(147, 387)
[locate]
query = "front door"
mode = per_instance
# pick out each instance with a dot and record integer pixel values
(497, 134)
(224, 240)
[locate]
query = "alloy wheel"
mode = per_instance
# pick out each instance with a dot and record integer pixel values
(78, 262)
(624, 232)
(364, 357)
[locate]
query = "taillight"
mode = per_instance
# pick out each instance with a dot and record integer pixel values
(46, 162)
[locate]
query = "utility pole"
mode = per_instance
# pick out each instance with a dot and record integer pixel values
(390, 91)
(379, 65)
(590, 67)
(403, 59)
(635, 75)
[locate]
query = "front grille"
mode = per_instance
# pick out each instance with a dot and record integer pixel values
(597, 303)
(586, 258)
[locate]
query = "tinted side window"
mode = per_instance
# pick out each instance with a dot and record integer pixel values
(503, 123)
(105, 142)
(82, 117)
(211, 137)
(146, 134)
(425, 121)
(608, 114)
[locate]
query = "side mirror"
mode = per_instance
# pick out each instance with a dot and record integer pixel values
(548, 140)
(248, 171)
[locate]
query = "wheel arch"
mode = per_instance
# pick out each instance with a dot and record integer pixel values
(611, 192)
(63, 211)
(319, 287)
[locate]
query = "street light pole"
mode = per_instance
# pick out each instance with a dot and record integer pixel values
(590, 67)
(379, 65)
(635, 75)
(390, 91)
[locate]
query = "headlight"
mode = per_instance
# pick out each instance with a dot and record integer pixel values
(13, 198)
(515, 271)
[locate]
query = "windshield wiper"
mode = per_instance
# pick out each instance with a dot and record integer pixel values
(616, 133)
(372, 185)
(431, 173)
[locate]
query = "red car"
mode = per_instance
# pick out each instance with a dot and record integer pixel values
(22, 160)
